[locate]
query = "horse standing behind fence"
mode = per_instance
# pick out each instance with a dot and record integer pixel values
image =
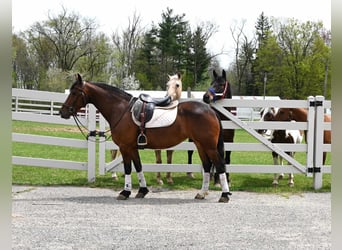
(301, 115)
(174, 91)
(219, 89)
(279, 136)
(115, 105)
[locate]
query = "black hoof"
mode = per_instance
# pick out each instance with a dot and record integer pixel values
(142, 192)
(224, 197)
(124, 195)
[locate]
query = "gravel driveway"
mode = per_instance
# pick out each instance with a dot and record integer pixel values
(91, 218)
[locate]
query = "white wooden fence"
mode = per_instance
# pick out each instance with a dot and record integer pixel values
(21, 110)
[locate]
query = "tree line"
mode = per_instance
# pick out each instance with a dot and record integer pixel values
(287, 58)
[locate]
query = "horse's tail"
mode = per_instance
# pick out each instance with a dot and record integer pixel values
(220, 143)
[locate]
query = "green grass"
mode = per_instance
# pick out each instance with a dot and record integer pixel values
(24, 175)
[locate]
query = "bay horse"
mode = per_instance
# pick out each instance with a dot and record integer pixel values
(219, 89)
(301, 115)
(279, 136)
(115, 105)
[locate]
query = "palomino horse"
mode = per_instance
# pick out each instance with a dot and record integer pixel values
(301, 115)
(220, 89)
(279, 136)
(116, 105)
(174, 91)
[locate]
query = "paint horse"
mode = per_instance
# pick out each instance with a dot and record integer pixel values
(301, 115)
(219, 89)
(116, 105)
(280, 136)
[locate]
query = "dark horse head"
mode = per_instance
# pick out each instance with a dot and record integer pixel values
(76, 99)
(219, 88)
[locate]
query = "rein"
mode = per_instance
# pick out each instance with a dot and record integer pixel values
(80, 125)
(99, 133)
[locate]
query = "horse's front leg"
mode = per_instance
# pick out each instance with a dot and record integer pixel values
(124, 194)
(142, 181)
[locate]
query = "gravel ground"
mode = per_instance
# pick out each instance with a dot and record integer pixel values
(91, 218)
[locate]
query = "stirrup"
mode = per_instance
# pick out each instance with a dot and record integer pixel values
(142, 140)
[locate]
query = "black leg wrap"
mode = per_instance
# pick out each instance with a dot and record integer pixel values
(142, 192)
(124, 195)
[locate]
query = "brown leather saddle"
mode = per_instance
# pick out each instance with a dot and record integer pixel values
(143, 110)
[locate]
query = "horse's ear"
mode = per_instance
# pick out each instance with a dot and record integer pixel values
(78, 78)
(224, 74)
(179, 75)
(214, 74)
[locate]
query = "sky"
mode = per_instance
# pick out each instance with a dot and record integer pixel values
(113, 15)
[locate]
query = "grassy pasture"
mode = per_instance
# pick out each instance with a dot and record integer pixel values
(24, 175)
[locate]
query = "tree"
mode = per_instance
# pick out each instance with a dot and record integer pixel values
(244, 52)
(126, 46)
(263, 29)
(68, 36)
(172, 43)
(24, 64)
(198, 59)
(303, 49)
(294, 59)
(95, 63)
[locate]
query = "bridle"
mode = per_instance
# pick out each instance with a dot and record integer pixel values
(73, 113)
(222, 95)
(71, 108)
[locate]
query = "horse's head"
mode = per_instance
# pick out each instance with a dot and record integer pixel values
(219, 88)
(75, 100)
(284, 114)
(174, 87)
(267, 114)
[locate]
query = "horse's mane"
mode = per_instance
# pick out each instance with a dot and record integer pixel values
(112, 90)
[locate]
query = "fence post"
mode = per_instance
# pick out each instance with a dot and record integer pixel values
(310, 136)
(318, 155)
(91, 142)
(102, 146)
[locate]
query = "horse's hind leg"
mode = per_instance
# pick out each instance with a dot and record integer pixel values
(169, 161)
(216, 175)
(190, 153)
(114, 153)
(206, 163)
(275, 162)
(158, 161)
(207, 159)
(291, 177)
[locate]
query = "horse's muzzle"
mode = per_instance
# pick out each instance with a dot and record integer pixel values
(206, 98)
(65, 114)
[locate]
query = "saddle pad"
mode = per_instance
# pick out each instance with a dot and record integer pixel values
(162, 116)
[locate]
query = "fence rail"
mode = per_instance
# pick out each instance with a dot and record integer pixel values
(51, 102)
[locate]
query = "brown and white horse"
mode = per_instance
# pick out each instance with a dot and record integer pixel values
(280, 136)
(301, 115)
